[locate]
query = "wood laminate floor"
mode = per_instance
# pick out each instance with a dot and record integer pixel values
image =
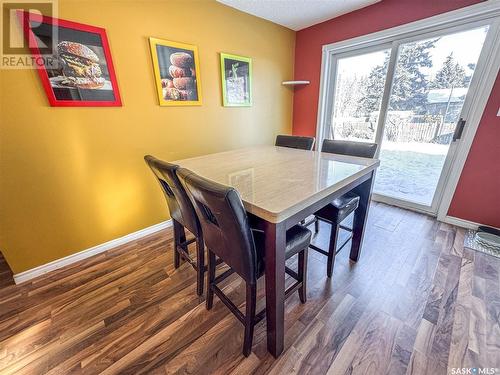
(415, 303)
(6, 277)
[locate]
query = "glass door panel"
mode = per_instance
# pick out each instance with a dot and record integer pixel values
(359, 87)
(430, 85)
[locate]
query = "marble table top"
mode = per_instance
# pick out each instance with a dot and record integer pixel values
(277, 182)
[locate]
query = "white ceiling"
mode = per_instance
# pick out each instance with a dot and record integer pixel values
(297, 14)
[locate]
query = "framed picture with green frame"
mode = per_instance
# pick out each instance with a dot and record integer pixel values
(236, 75)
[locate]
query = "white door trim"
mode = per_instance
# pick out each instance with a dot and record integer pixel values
(413, 206)
(477, 12)
(484, 76)
(384, 105)
(485, 81)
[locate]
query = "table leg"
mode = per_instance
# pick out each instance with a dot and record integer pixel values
(275, 237)
(364, 190)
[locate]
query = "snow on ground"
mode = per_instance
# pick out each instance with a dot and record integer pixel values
(425, 148)
(410, 171)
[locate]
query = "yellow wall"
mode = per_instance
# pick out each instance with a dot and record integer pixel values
(72, 178)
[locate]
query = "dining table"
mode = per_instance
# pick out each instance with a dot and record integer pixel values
(280, 187)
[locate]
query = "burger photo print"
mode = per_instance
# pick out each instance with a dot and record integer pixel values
(176, 69)
(79, 71)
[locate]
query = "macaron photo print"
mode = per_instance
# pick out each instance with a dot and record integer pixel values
(177, 76)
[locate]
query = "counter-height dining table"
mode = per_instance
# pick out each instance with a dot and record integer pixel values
(280, 187)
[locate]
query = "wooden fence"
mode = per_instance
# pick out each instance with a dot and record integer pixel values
(396, 130)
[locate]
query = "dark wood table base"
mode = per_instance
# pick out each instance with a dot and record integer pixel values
(275, 234)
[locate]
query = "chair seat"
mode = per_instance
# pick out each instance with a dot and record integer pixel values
(298, 238)
(339, 209)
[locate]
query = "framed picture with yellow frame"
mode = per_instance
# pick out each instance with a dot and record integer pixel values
(236, 75)
(177, 72)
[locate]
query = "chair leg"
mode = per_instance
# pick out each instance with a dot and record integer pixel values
(210, 279)
(178, 236)
(200, 264)
(303, 275)
(332, 249)
(249, 318)
(316, 225)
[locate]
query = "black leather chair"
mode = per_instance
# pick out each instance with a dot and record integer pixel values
(294, 141)
(183, 216)
(229, 237)
(335, 212)
(351, 148)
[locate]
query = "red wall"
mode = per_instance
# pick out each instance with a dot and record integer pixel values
(477, 197)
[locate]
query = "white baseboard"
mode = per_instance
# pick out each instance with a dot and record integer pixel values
(461, 222)
(59, 263)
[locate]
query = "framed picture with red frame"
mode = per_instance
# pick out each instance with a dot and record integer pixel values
(78, 70)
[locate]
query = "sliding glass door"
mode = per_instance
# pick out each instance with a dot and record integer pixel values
(430, 85)
(408, 97)
(359, 86)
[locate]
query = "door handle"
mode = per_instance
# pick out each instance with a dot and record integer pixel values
(457, 134)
